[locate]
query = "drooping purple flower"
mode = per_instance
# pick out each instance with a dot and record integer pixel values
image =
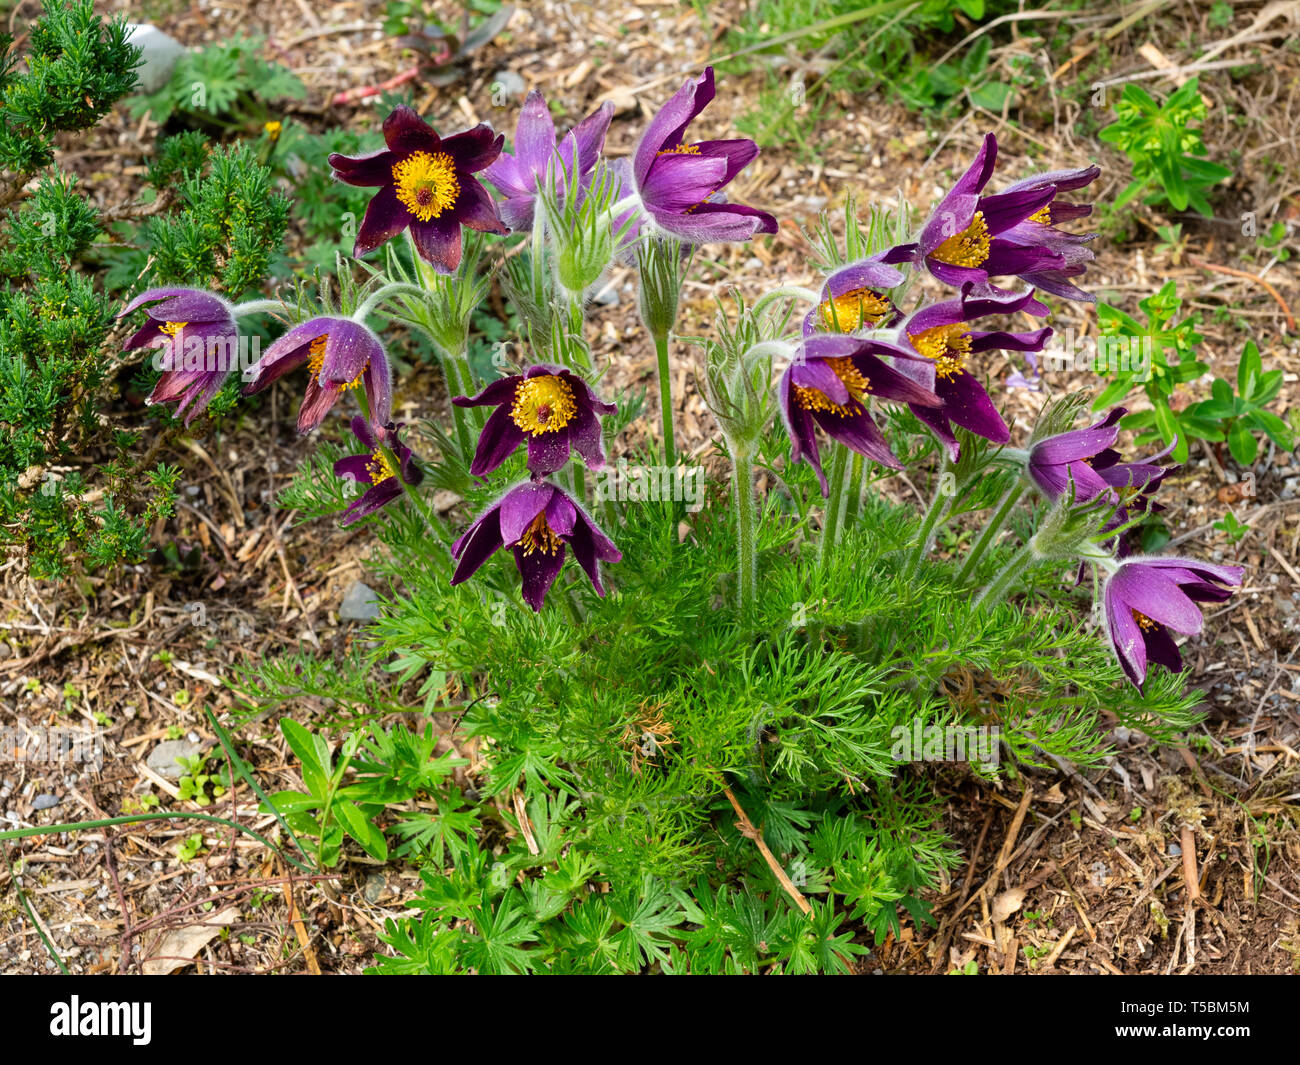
(198, 341)
(537, 521)
(971, 237)
(374, 468)
(425, 182)
(549, 407)
(941, 333)
(341, 354)
(517, 176)
(827, 384)
(1057, 460)
(680, 183)
(1146, 597)
(856, 297)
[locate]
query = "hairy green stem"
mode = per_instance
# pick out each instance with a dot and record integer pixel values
(1006, 578)
(991, 530)
(834, 502)
(939, 505)
(666, 400)
(746, 525)
(242, 310)
(394, 288)
(853, 499)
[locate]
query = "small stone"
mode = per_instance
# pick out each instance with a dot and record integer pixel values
(1175, 850)
(45, 802)
(507, 85)
(159, 56)
(607, 296)
(376, 886)
(360, 603)
(5, 650)
(162, 759)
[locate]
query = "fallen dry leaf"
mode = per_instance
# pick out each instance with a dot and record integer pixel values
(179, 947)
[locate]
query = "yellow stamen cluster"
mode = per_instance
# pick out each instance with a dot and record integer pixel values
(1043, 216)
(681, 149)
(858, 387)
(172, 328)
(1144, 621)
(379, 468)
(539, 537)
(543, 404)
(846, 313)
(426, 184)
(970, 247)
(316, 361)
(947, 345)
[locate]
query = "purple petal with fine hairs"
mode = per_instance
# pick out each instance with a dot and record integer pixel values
(181, 305)
(966, 403)
(1125, 636)
(1146, 589)
(1000, 341)
(511, 179)
(375, 498)
(537, 572)
(937, 422)
(858, 433)
(561, 513)
(1007, 258)
(362, 431)
(386, 216)
(1066, 180)
(803, 444)
(406, 132)
(868, 273)
(355, 468)
(1078, 443)
(349, 348)
(1007, 209)
(375, 168)
(287, 352)
(521, 505)
(669, 125)
(316, 403)
(679, 182)
(378, 383)
(589, 138)
(716, 222)
(738, 154)
(591, 547)
(547, 452)
(502, 390)
(477, 544)
(477, 209)
(815, 373)
(438, 242)
(957, 276)
(473, 149)
(535, 134)
(496, 443)
(888, 383)
(587, 438)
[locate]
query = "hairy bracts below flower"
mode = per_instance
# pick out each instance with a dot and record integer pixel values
(940, 332)
(1146, 597)
(517, 177)
(537, 521)
(374, 468)
(199, 332)
(426, 183)
(827, 384)
(549, 407)
(679, 183)
(341, 354)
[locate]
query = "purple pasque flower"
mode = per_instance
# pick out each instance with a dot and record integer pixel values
(341, 354)
(375, 468)
(199, 342)
(1146, 597)
(425, 182)
(549, 407)
(941, 333)
(959, 243)
(827, 384)
(856, 297)
(517, 176)
(1057, 460)
(679, 183)
(537, 521)
(1040, 230)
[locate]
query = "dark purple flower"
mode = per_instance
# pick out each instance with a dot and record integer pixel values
(549, 407)
(374, 468)
(1146, 597)
(828, 383)
(536, 520)
(971, 237)
(200, 343)
(341, 354)
(680, 183)
(516, 176)
(1057, 460)
(855, 297)
(426, 182)
(941, 333)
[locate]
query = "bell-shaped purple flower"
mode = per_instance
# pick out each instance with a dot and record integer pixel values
(680, 183)
(425, 182)
(517, 177)
(1146, 597)
(198, 341)
(828, 383)
(341, 354)
(1040, 230)
(537, 521)
(1057, 460)
(941, 333)
(375, 469)
(856, 297)
(549, 407)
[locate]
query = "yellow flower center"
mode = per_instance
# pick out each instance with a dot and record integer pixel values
(846, 313)
(172, 328)
(426, 184)
(379, 468)
(543, 404)
(970, 247)
(681, 149)
(1144, 621)
(1043, 216)
(540, 537)
(317, 361)
(947, 345)
(857, 385)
